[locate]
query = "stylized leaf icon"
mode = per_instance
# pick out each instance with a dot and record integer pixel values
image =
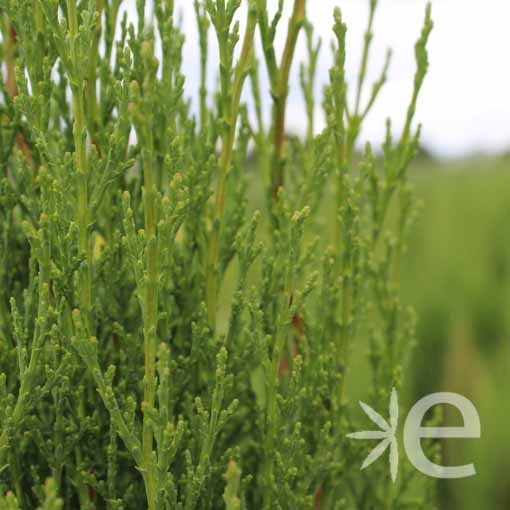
(376, 453)
(387, 435)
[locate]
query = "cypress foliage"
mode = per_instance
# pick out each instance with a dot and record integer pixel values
(170, 339)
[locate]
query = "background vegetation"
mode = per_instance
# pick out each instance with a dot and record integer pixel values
(457, 275)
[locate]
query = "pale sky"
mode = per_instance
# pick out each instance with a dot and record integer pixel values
(465, 102)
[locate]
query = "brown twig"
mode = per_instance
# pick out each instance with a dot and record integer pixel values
(282, 92)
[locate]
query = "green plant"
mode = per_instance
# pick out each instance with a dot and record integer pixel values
(163, 345)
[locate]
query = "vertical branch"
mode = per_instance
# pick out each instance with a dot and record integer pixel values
(282, 92)
(141, 108)
(308, 77)
(203, 31)
(282, 327)
(231, 100)
(338, 110)
(10, 50)
(422, 63)
(12, 88)
(93, 116)
(82, 166)
(364, 59)
(78, 87)
(151, 307)
(28, 374)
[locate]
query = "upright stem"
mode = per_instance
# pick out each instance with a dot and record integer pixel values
(150, 317)
(28, 377)
(364, 59)
(12, 88)
(90, 91)
(225, 164)
(80, 139)
(10, 48)
(203, 30)
(78, 87)
(142, 108)
(282, 92)
(281, 334)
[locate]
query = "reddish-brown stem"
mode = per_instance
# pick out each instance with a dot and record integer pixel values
(282, 92)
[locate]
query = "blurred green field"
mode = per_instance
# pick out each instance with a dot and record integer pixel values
(457, 275)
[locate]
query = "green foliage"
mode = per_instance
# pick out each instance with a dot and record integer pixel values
(163, 345)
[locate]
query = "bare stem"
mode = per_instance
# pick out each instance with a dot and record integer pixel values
(282, 92)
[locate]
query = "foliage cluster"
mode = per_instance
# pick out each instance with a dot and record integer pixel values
(162, 345)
